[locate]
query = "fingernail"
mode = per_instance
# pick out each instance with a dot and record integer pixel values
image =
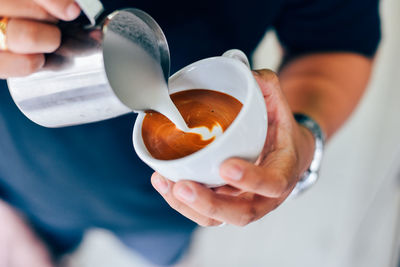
(73, 11)
(161, 184)
(186, 193)
(232, 172)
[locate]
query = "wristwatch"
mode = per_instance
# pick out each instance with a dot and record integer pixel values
(310, 176)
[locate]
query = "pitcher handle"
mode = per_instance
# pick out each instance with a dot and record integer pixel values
(92, 9)
(239, 55)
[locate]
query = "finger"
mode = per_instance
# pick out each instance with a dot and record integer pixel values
(164, 187)
(232, 210)
(275, 99)
(24, 9)
(268, 80)
(268, 181)
(63, 9)
(17, 65)
(228, 190)
(28, 37)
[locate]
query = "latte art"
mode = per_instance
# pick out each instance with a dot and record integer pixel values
(207, 113)
(207, 134)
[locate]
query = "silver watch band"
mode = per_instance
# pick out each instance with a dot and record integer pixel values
(310, 176)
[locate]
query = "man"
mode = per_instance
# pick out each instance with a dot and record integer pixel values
(66, 180)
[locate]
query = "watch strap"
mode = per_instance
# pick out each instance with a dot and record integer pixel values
(310, 176)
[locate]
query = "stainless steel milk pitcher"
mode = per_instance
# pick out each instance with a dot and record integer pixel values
(85, 79)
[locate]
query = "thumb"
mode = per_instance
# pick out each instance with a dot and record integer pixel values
(277, 105)
(268, 81)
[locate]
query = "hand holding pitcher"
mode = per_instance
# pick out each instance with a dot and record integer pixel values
(28, 30)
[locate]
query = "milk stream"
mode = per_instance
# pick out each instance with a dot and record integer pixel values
(166, 107)
(145, 88)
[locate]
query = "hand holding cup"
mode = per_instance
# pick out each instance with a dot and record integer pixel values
(253, 189)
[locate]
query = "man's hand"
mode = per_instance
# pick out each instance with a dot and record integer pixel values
(19, 247)
(253, 190)
(31, 33)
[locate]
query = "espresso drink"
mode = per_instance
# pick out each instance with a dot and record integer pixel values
(207, 113)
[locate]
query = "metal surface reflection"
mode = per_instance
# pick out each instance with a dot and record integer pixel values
(74, 87)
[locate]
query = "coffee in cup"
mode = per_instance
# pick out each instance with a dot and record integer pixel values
(209, 110)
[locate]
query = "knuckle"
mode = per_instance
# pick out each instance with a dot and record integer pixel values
(274, 77)
(53, 40)
(282, 184)
(212, 209)
(258, 182)
(57, 35)
(280, 187)
(271, 77)
(248, 216)
(38, 11)
(31, 63)
(207, 222)
(16, 65)
(176, 205)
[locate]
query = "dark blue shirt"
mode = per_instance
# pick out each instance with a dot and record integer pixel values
(66, 180)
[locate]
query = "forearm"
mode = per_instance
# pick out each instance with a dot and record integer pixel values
(326, 86)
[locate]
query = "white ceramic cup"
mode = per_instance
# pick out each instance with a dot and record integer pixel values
(244, 138)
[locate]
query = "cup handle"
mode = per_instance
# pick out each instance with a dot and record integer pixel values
(239, 55)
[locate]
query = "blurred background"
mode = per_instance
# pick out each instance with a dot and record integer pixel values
(349, 219)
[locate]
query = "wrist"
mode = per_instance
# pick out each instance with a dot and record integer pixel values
(306, 148)
(310, 176)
